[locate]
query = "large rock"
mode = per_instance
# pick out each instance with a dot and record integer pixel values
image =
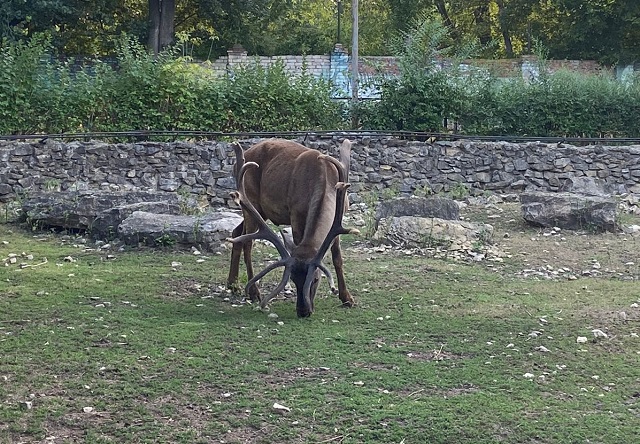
(206, 231)
(106, 223)
(439, 207)
(569, 211)
(77, 210)
(410, 231)
(590, 186)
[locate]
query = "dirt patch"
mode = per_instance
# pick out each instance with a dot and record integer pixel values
(519, 249)
(421, 392)
(180, 289)
(287, 377)
(563, 254)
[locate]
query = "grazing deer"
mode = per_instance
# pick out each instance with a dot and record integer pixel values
(289, 184)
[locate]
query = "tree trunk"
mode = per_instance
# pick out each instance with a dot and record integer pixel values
(161, 24)
(480, 14)
(504, 29)
(442, 10)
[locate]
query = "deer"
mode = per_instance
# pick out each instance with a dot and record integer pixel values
(289, 184)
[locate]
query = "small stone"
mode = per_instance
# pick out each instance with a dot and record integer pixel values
(581, 340)
(27, 405)
(87, 409)
(280, 408)
(597, 333)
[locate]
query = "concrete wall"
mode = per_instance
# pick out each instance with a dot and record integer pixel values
(204, 168)
(337, 67)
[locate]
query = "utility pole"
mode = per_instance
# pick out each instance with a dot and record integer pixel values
(355, 122)
(339, 36)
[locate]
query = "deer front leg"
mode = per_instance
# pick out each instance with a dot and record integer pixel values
(232, 279)
(234, 268)
(252, 291)
(336, 257)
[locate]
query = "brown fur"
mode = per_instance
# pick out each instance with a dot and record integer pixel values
(292, 185)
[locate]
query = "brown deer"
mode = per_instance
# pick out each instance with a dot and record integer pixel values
(289, 184)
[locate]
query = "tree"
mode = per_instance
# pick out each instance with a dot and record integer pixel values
(161, 24)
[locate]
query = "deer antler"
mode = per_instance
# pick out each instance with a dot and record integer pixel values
(336, 227)
(264, 232)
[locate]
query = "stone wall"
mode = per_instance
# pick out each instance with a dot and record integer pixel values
(204, 168)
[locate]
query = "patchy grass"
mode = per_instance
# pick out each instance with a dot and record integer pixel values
(130, 349)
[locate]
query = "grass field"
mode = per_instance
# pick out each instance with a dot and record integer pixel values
(104, 346)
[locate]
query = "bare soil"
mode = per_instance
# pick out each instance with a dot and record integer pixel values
(549, 253)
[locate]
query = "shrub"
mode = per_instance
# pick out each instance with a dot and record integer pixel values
(270, 99)
(38, 94)
(41, 95)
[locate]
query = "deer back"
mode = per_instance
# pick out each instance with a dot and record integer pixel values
(293, 186)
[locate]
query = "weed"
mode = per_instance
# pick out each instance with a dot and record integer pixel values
(165, 240)
(51, 185)
(390, 192)
(424, 191)
(459, 191)
(371, 199)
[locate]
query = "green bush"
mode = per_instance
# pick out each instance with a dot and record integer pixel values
(270, 99)
(41, 95)
(20, 66)
(430, 95)
(563, 104)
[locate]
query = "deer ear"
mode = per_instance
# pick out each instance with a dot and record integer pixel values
(287, 238)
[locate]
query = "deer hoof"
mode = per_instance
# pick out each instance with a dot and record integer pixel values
(254, 294)
(348, 301)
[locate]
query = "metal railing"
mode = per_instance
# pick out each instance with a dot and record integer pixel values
(408, 135)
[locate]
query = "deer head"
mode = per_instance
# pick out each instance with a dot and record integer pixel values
(315, 215)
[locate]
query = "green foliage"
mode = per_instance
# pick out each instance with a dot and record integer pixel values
(429, 92)
(264, 99)
(564, 104)
(165, 240)
(20, 65)
(430, 95)
(574, 29)
(436, 351)
(39, 94)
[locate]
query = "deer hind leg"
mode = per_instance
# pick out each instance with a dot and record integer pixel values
(336, 257)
